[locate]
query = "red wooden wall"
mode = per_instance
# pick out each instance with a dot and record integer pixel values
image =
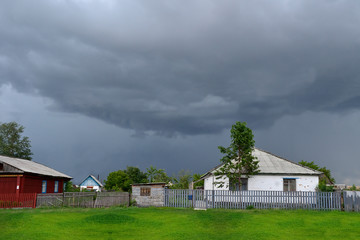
(7, 184)
(29, 184)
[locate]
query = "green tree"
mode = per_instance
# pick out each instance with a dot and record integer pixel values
(135, 175)
(353, 188)
(118, 181)
(12, 143)
(121, 180)
(70, 188)
(327, 173)
(157, 175)
(151, 172)
(324, 179)
(182, 180)
(197, 182)
(238, 160)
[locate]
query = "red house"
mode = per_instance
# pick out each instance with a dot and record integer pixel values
(24, 176)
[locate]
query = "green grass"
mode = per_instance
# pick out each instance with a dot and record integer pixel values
(173, 223)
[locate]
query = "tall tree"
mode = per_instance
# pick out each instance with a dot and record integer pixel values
(12, 143)
(324, 179)
(121, 180)
(135, 175)
(238, 160)
(117, 181)
(157, 175)
(182, 180)
(327, 173)
(198, 183)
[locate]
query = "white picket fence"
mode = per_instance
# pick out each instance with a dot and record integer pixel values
(252, 199)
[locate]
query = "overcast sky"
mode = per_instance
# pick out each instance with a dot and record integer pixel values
(101, 85)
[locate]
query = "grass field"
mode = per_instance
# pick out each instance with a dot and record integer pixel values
(171, 223)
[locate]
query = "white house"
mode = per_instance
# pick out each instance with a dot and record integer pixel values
(276, 174)
(91, 183)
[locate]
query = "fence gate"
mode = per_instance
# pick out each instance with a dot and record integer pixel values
(254, 199)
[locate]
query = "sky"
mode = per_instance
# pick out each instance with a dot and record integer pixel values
(101, 85)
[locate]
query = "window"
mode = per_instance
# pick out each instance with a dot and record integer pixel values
(235, 186)
(1, 166)
(56, 186)
(289, 185)
(145, 191)
(43, 187)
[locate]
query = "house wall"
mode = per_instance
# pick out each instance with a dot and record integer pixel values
(268, 182)
(29, 184)
(208, 183)
(7, 184)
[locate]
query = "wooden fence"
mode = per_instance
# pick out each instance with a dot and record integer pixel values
(351, 201)
(83, 199)
(21, 200)
(252, 199)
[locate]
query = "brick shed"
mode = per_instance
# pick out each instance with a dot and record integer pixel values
(148, 194)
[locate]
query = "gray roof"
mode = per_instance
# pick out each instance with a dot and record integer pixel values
(32, 167)
(272, 164)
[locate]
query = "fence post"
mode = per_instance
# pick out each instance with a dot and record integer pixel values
(192, 198)
(63, 199)
(35, 198)
(206, 198)
(342, 205)
(213, 198)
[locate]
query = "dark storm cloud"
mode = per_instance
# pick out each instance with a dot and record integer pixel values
(184, 67)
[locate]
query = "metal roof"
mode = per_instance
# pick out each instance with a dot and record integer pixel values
(272, 164)
(32, 167)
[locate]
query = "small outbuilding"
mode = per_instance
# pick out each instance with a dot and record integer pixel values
(91, 183)
(148, 194)
(25, 176)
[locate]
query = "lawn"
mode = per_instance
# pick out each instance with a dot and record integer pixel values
(172, 223)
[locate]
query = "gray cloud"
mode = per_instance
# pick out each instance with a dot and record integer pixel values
(184, 68)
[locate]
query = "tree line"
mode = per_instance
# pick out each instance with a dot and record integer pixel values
(121, 180)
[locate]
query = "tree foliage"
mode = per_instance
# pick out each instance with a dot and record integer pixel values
(157, 175)
(199, 183)
(324, 179)
(182, 180)
(121, 180)
(69, 187)
(238, 160)
(135, 175)
(327, 173)
(12, 143)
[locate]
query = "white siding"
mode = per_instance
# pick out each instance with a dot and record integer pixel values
(208, 183)
(269, 183)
